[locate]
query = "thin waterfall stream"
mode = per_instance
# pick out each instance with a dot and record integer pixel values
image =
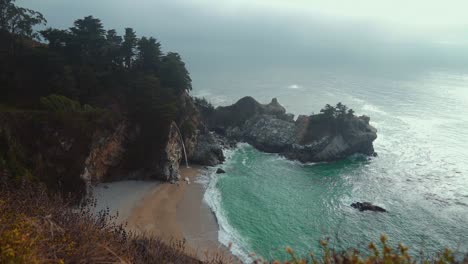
(183, 145)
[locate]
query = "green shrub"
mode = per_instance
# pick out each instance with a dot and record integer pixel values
(60, 103)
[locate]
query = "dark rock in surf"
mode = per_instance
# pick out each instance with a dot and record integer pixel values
(220, 171)
(366, 206)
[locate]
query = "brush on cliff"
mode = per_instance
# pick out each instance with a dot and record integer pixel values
(36, 227)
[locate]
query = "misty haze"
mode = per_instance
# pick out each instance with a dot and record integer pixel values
(254, 130)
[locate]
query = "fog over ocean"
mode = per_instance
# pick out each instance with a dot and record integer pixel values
(403, 64)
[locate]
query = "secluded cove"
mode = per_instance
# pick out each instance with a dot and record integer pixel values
(420, 175)
(173, 212)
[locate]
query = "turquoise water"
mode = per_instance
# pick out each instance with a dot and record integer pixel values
(264, 202)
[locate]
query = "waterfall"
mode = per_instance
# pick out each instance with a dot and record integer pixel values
(183, 145)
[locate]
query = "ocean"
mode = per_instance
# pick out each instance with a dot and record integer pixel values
(265, 202)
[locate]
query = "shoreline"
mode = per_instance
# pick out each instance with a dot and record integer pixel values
(173, 212)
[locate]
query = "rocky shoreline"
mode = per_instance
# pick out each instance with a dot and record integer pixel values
(269, 128)
(104, 149)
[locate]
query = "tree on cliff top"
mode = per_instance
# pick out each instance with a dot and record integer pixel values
(149, 55)
(19, 21)
(174, 74)
(88, 64)
(128, 46)
(340, 111)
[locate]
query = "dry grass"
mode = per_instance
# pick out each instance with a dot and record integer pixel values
(379, 254)
(37, 228)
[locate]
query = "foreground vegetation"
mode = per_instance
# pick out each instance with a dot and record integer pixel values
(73, 78)
(36, 227)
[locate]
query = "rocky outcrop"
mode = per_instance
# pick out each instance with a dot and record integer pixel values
(172, 156)
(366, 206)
(268, 133)
(208, 150)
(190, 123)
(203, 147)
(107, 151)
(245, 109)
(312, 138)
(328, 139)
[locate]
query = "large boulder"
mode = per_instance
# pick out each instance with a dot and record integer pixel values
(366, 206)
(208, 150)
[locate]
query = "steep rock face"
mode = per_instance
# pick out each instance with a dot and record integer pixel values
(69, 151)
(172, 156)
(331, 139)
(302, 124)
(202, 147)
(107, 151)
(190, 123)
(268, 133)
(308, 139)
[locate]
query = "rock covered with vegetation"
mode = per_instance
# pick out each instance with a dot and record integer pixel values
(333, 134)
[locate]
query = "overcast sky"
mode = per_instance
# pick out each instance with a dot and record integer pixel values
(228, 32)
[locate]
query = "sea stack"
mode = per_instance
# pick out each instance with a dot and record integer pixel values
(327, 136)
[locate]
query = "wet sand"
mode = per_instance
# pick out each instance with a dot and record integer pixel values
(198, 223)
(170, 211)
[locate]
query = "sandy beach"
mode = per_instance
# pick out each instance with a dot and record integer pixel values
(170, 211)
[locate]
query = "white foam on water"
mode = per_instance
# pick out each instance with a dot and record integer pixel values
(294, 86)
(372, 108)
(227, 234)
(281, 158)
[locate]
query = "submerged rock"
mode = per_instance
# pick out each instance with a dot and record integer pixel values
(366, 206)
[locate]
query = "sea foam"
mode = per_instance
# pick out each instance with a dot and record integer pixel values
(227, 235)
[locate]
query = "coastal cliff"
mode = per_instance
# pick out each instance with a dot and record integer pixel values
(314, 138)
(72, 150)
